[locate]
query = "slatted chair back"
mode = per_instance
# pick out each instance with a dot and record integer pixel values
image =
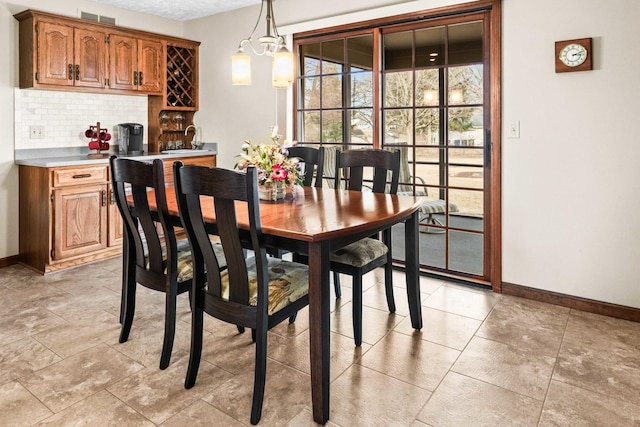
(225, 187)
(313, 160)
(134, 178)
(353, 164)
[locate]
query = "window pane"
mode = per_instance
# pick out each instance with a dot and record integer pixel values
(310, 94)
(465, 249)
(398, 89)
(468, 202)
(428, 87)
(310, 59)
(332, 126)
(398, 126)
(429, 163)
(430, 47)
(467, 156)
(360, 53)
(465, 85)
(332, 92)
(465, 126)
(361, 130)
(466, 176)
(427, 126)
(361, 93)
(465, 43)
(398, 50)
(332, 56)
(310, 126)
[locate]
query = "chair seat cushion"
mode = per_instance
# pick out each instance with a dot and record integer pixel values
(185, 262)
(288, 282)
(360, 253)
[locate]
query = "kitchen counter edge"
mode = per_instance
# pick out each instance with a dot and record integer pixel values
(51, 162)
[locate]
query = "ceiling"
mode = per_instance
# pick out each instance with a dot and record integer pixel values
(181, 10)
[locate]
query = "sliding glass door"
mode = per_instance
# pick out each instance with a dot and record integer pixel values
(419, 86)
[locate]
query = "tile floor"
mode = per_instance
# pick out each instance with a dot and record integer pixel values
(482, 359)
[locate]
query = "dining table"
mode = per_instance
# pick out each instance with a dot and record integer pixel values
(315, 222)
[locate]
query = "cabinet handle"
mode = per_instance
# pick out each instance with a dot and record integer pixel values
(82, 175)
(135, 78)
(140, 78)
(70, 73)
(77, 72)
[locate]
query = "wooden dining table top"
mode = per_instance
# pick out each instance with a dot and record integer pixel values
(316, 214)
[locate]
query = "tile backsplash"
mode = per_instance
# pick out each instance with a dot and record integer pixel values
(66, 115)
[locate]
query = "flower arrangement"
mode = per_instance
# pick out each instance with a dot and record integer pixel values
(272, 161)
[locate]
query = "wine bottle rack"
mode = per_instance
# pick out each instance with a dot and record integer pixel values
(181, 78)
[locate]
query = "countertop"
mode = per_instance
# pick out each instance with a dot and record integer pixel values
(61, 158)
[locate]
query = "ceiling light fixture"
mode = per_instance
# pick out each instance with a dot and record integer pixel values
(272, 44)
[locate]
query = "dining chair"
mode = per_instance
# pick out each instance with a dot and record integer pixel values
(257, 293)
(356, 168)
(313, 160)
(151, 254)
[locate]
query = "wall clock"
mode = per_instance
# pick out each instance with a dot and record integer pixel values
(574, 55)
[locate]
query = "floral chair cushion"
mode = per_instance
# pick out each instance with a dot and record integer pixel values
(185, 262)
(360, 253)
(288, 282)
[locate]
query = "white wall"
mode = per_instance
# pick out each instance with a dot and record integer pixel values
(570, 183)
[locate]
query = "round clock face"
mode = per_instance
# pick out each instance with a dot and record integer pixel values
(573, 55)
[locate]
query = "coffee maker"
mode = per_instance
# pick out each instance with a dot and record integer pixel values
(130, 136)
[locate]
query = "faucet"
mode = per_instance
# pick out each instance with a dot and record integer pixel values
(195, 143)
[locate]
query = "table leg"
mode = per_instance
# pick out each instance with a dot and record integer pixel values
(319, 329)
(412, 264)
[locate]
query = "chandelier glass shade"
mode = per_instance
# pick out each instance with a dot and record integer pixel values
(272, 44)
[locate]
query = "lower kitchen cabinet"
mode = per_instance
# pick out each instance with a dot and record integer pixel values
(68, 215)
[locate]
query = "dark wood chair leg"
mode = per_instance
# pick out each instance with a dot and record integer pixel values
(259, 377)
(357, 309)
(129, 301)
(169, 326)
(336, 284)
(196, 342)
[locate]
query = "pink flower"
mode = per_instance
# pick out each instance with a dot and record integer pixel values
(277, 173)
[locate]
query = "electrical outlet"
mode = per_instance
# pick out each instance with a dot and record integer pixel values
(514, 129)
(36, 132)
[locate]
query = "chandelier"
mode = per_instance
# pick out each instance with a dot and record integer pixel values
(272, 44)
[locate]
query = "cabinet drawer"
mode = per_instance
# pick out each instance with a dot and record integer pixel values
(80, 175)
(197, 160)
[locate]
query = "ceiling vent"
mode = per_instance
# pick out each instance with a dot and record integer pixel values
(98, 18)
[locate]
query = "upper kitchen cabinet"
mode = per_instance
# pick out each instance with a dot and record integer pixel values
(65, 53)
(136, 64)
(56, 54)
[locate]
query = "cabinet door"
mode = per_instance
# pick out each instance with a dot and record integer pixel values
(123, 55)
(90, 58)
(116, 229)
(55, 54)
(80, 220)
(150, 66)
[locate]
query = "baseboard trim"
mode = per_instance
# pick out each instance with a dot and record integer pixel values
(6, 262)
(578, 303)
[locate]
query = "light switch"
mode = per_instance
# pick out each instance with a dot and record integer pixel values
(514, 129)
